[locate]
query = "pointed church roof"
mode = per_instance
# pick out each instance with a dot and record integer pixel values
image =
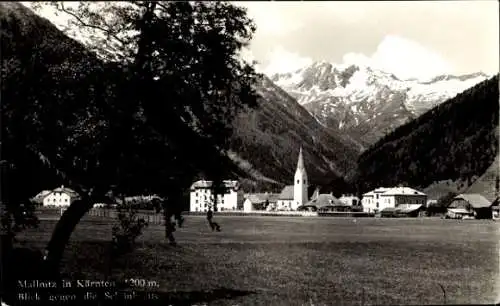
(300, 163)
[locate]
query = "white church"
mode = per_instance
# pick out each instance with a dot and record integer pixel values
(293, 196)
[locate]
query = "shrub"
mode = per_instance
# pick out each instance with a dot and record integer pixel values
(128, 229)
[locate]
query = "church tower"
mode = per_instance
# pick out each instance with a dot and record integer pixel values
(300, 183)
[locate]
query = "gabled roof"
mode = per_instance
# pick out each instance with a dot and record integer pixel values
(286, 193)
(474, 199)
(41, 195)
(394, 191)
(326, 199)
(67, 191)
(202, 184)
(256, 198)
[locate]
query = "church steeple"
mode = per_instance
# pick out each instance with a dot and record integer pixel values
(300, 183)
(300, 163)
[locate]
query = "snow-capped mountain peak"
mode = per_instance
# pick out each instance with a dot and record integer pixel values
(361, 99)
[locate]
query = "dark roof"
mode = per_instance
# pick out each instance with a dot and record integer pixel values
(388, 209)
(474, 199)
(286, 193)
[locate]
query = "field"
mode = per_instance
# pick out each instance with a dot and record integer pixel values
(298, 260)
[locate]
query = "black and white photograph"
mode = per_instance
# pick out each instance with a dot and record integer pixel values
(250, 153)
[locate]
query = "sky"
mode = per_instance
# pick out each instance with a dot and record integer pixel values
(412, 39)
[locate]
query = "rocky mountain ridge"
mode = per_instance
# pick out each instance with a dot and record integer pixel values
(367, 103)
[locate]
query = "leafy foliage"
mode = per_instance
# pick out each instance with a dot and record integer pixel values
(456, 140)
(128, 229)
(145, 122)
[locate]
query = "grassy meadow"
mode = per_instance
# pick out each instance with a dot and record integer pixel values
(297, 260)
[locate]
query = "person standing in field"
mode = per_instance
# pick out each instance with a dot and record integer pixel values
(213, 225)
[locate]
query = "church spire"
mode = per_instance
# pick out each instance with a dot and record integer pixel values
(300, 163)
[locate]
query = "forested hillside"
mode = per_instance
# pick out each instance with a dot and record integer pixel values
(457, 140)
(269, 137)
(68, 98)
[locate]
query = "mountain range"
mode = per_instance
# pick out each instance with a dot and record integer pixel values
(364, 102)
(335, 113)
(451, 148)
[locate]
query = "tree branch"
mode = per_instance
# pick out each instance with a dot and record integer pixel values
(83, 23)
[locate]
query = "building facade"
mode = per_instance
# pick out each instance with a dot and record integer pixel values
(202, 198)
(60, 197)
(470, 205)
(396, 197)
(259, 201)
(285, 199)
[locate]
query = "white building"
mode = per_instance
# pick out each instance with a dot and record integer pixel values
(60, 197)
(381, 198)
(259, 201)
(293, 196)
(201, 196)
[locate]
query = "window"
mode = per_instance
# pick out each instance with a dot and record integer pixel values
(298, 181)
(196, 201)
(377, 204)
(377, 196)
(304, 181)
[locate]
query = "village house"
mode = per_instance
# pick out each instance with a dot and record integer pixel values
(59, 197)
(405, 199)
(470, 205)
(201, 196)
(38, 199)
(285, 199)
(293, 196)
(325, 202)
(259, 201)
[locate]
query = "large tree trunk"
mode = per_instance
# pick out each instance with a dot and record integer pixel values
(62, 233)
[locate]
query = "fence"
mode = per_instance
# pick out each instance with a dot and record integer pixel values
(286, 214)
(157, 218)
(149, 216)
